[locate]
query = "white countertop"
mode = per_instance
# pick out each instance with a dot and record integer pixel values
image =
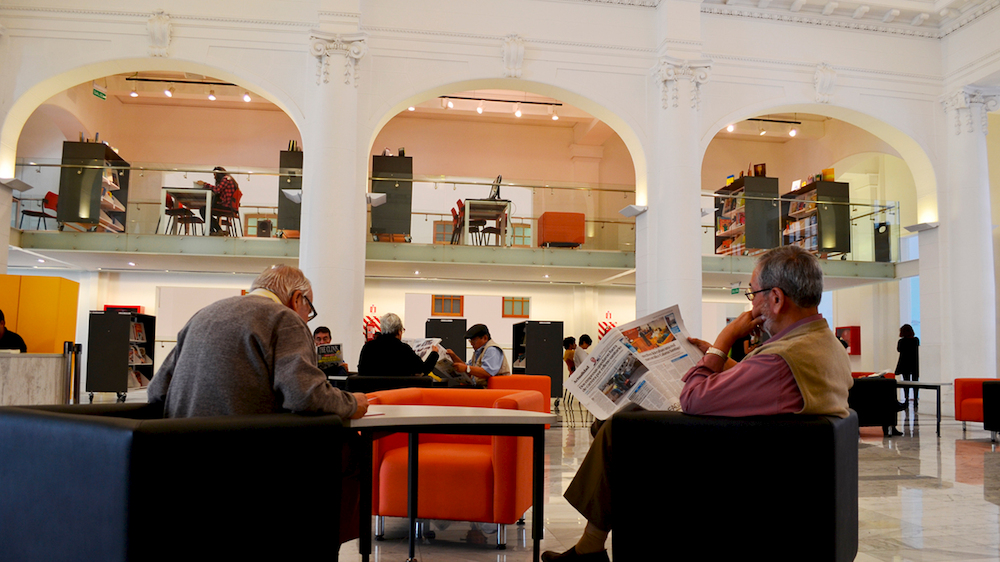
(389, 415)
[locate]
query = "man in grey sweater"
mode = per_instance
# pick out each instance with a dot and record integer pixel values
(252, 354)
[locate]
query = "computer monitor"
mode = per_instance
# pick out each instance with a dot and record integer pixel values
(495, 190)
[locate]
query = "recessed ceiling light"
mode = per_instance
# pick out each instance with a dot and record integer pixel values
(731, 128)
(131, 263)
(416, 273)
(411, 108)
(40, 260)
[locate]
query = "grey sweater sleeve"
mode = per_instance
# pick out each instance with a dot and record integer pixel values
(302, 385)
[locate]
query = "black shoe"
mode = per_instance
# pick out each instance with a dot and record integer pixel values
(901, 406)
(572, 556)
(891, 432)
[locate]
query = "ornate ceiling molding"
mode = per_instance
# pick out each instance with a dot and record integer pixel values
(819, 21)
(353, 46)
(670, 71)
(159, 29)
(636, 3)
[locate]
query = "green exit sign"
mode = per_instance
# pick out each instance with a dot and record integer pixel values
(734, 291)
(100, 94)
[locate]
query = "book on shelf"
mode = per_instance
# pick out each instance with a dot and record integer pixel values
(138, 332)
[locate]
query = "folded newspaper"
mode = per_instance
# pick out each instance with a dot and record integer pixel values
(444, 369)
(641, 362)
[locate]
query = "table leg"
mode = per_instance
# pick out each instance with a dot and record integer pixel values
(538, 467)
(411, 485)
(938, 389)
(365, 502)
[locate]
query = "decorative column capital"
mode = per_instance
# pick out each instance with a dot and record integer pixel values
(513, 55)
(353, 46)
(970, 105)
(824, 79)
(670, 71)
(159, 28)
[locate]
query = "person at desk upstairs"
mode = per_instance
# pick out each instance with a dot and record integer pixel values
(488, 359)
(581, 353)
(801, 369)
(388, 356)
(8, 339)
(227, 195)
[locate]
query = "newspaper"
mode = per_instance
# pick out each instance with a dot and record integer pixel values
(641, 362)
(422, 346)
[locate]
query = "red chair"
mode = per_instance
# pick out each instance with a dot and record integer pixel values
(50, 202)
(480, 478)
(969, 400)
(541, 383)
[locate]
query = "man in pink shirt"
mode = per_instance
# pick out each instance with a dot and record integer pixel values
(801, 369)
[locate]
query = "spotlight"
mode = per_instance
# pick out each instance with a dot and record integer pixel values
(762, 131)
(479, 110)
(451, 104)
(793, 131)
(517, 109)
(552, 112)
(134, 93)
(169, 92)
(731, 128)
(411, 108)
(211, 95)
(246, 97)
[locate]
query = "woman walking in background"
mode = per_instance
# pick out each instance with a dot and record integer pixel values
(908, 365)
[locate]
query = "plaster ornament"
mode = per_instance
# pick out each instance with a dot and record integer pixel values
(824, 79)
(513, 55)
(969, 103)
(352, 46)
(159, 29)
(670, 71)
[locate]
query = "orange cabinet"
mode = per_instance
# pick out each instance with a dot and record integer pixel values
(42, 310)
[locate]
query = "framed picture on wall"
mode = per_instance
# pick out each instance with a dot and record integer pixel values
(850, 336)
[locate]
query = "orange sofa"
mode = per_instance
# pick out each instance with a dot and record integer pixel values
(490, 474)
(969, 400)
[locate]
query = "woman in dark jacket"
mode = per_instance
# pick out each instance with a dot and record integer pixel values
(388, 356)
(908, 366)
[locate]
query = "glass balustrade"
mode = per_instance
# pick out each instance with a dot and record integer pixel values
(151, 198)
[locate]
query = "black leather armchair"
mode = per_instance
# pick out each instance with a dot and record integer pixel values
(875, 400)
(117, 482)
(991, 408)
(712, 488)
(357, 383)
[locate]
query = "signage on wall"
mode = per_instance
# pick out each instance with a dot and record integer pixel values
(99, 92)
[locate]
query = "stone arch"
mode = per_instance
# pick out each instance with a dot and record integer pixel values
(620, 126)
(911, 151)
(36, 94)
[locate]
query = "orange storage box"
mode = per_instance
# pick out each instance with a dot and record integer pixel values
(564, 230)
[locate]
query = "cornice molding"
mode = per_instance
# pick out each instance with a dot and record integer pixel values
(810, 67)
(970, 17)
(145, 16)
(634, 3)
(373, 30)
(747, 12)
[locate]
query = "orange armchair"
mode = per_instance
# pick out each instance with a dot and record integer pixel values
(491, 474)
(969, 400)
(541, 383)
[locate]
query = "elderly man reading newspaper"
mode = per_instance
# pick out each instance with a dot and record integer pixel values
(802, 368)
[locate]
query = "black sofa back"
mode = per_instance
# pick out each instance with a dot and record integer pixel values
(114, 483)
(875, 400)
(711, 488)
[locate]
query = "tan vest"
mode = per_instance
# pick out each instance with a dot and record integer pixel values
(819, 364)
(504, 366)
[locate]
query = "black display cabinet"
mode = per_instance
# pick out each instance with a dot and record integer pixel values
(748, 217)
(121, 346)
(538, 351)
(452, 334)
(819, 218)
(289, 212)
(93, 187)
(392, 175)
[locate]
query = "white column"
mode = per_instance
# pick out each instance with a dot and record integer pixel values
(6, 202)
(969, 288)
(332, 247)
(668, 252)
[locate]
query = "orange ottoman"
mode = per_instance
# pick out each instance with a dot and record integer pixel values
(564, 230)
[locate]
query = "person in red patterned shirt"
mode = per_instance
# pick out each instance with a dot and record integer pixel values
(227, 194)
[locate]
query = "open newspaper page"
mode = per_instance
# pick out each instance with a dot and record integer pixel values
(641, 362)
(422, 346)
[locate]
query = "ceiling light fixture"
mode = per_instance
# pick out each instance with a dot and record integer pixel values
(517, 109)
(731, 128)
(552, 112)
(793, 131)
(134, 93)
(479, 108)
(169, 92)
(211, 95)
(246, 97)
(411, 108)
(451, 104)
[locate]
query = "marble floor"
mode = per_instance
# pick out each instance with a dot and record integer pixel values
(922, 498)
